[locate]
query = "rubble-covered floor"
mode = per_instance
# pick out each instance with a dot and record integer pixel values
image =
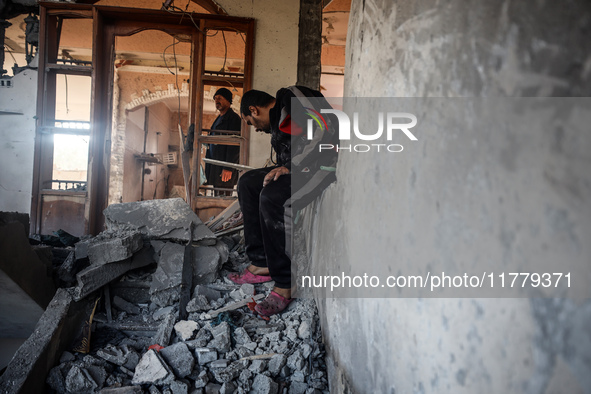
(138, 342)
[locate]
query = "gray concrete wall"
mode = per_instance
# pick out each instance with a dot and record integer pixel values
(458, 197)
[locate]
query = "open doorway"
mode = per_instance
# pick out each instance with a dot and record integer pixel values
(148, 110)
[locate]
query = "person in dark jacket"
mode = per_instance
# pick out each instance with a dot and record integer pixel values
(268, 195)
(218, 176)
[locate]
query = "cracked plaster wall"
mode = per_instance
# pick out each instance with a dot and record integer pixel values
(432, 205)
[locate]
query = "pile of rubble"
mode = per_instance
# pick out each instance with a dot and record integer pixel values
(144, 340)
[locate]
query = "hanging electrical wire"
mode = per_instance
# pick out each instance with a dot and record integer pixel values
(225, 52)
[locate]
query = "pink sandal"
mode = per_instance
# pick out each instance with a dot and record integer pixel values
(274, 303)
(248, 277)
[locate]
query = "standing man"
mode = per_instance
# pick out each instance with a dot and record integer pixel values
(268, 195)
(218, 176)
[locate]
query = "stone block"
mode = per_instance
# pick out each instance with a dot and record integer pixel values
(179, 358)
(157, 219)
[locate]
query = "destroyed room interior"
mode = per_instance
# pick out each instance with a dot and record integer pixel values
(122, 193)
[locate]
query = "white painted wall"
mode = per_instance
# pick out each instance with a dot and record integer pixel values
(275, 55)
(17, 133)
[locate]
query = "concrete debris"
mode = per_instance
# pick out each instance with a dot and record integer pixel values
(95, 277)
(186, 329)
(206, 355)
(164, 333)
(80, 381)
(199, 303)
(208, 292)
(125, 306)
(264, 385)
(109, 247)
(179, 358)
(222, 347)
(167, 219)
(152, 370)
(166, 281)
(221, 338)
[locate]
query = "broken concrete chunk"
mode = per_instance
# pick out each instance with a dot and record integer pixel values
(108, 247)
(205, 355)
(231, 372)
(206, 264)
(157, 219)
(95, 277)
(186, 329)
(221, 337)
(264, 385)
(298, 388)
(162, 312)
(126, 306)
(168, 275)
(199, 303)
(276, 363)
(241, 336)
(152, 370)
(209, 293)
(118, 355)
(213, 388)
(296, 361)
(258, 366)
(79, 380)
(178, 387)
(179, 358)
(162, 337)
(305, 329)
(81, 249)
(201, 380)
(201, 340)
(228, 388)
